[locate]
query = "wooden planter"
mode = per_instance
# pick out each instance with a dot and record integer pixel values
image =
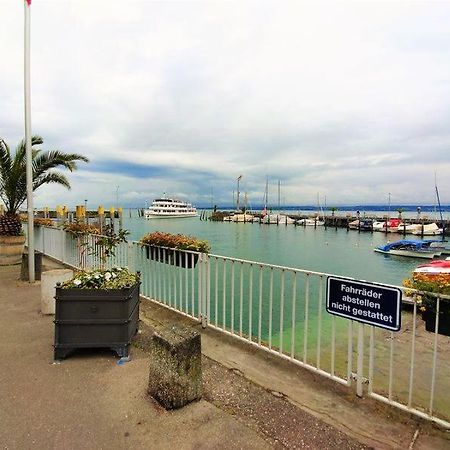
(172, 256)
(430, 322)
(11, 249)
(90, 318)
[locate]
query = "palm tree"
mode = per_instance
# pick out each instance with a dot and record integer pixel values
(13, 188)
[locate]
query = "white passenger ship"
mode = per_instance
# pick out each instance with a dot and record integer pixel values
(163, 208)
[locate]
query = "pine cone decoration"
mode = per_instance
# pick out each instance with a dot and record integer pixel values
(10, 225)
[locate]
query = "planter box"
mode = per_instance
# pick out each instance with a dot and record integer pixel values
(430, 322)
(11, 249)
(172, 256)
(95, 318)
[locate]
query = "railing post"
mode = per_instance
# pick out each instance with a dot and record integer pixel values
(130, 259)
(43, 240)
(63, 244)
(360, 361)
(204, 274)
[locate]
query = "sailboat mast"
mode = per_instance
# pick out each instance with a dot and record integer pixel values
(438, 200)
(279, 194)
(267, 192)
(238, 192)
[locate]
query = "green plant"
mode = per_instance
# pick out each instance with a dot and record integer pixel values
(108, 243)
(114, 278)
(13, 186)
(103, 246)
(175, 241)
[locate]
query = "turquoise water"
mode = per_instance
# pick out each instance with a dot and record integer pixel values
(340, 252)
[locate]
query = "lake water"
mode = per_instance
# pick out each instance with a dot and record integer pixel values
(340, 252)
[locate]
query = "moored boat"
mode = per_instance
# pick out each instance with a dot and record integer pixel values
(378, 225)
(431, 229)
(361, 225)
(434, 268)
(244, 217)
(405, 247)
(315, 222)
(280, 219)
(392, 225)
(410, 228)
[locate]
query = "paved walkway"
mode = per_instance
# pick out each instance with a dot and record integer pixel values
(251, 400)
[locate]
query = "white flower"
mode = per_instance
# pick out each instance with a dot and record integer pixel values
(96, 276)
(107, 276)
(76, 282)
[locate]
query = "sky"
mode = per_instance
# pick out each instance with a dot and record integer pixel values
(346, 100)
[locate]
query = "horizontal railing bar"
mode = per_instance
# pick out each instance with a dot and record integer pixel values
(417, 412)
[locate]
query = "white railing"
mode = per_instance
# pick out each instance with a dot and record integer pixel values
(282, 310)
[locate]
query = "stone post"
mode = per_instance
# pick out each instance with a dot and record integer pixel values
(175, 367)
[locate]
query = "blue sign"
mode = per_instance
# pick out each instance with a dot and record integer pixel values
(364, 302)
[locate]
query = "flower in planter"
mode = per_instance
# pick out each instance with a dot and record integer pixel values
(433, 284)
(114, 278)
(77, 229)
(175, 241)
(41, 221)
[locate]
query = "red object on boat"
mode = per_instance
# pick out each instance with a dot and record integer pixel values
(392, 223)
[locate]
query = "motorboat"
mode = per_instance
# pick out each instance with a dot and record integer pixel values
(165, 208)
(314, 222)
(389, 226)
(410, 228)
(433, 268)
(277, 219)
(361, 225)
(244, 217)
(405, 247)
(392, 225)
(431, 229)
(378, 225)
(439, 245)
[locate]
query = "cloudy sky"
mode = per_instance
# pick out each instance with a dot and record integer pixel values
(347, 99)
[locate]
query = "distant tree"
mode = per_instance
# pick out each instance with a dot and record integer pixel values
(333, 210)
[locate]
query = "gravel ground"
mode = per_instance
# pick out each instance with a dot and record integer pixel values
(268, 412)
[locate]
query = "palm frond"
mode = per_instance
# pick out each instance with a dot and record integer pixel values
(55, 158)
(5, 158)
(52, 177)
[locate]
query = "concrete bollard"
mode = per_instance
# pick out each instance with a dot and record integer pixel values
(175, 367)
(24, 273)
(49, 279)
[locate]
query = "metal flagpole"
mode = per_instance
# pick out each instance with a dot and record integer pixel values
(29, 157)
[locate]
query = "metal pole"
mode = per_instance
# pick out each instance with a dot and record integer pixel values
(237, 202)
(29, 168)
(360, 362)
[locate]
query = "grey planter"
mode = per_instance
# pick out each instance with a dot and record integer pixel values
(90, 318)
